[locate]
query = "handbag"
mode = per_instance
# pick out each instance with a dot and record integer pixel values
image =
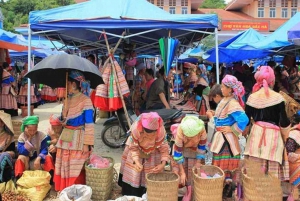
(67, 135)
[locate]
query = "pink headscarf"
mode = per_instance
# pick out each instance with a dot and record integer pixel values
(236, 86)
(264, 76)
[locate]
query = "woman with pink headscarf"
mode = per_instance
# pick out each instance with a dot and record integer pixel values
(230, 121)
(265, 143)
(146, 151)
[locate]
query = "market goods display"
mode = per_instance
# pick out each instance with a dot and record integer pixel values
(14, 196)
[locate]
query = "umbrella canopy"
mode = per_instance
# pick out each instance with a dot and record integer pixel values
(6, 118)
(168, 47)
(52, 70)
(294, 34)
(12, 41)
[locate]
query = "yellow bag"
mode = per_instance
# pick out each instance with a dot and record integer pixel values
(2, 187)
(10, 186)
(35, 184)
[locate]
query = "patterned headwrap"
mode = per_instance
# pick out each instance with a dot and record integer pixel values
(191, 126)
(84, 84)
(29, 120)
(264, 76)
(55, 120)
(151, 120)
(236, 86)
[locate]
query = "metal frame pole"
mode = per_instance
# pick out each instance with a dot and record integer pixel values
(29, 67)
(217, 56)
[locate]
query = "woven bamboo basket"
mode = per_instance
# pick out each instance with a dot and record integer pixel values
(208, 189)
(17, 129)
(291, 106)
(261, 188)
(162, 186)
(100, 180)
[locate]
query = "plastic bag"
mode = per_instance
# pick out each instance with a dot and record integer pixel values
(76, 193)
(7, 186)
(35, 184)
(98, 161)
(188, 195)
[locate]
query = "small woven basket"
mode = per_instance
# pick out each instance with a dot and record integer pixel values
(208, 189)
(162, 186)
(262, 188)
(100, 180)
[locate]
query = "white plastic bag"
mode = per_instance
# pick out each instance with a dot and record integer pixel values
(76, 193)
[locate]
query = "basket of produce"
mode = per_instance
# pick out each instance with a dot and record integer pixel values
(99, 176)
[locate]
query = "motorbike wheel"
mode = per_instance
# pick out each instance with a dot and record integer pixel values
(113, 136)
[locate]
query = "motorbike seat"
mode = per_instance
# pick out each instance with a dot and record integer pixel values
(166, 114)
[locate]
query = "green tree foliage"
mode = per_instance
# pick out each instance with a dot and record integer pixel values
(16, 11)
(213, 4)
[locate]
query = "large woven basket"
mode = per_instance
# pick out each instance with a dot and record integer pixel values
(162, 186)
(262, 188)
(100, 180)
(208, 189)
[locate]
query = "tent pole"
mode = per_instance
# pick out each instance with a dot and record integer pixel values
(29, 66)
(217, 56)
(177, 77)
(117, 81)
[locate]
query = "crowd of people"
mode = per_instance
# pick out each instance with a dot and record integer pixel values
(14, 90)
(246, 103)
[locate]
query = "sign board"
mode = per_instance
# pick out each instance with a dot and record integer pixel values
(244, 25)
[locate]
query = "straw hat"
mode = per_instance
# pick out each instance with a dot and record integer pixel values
(6, 118)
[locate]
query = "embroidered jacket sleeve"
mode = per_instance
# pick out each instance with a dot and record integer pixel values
(44, 148)
(241, 121)
(134, 149)
(201, 149)
(88, 112)
(24, 146)
(164, 151)
(178, 147)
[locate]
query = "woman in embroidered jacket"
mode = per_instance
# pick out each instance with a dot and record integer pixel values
(189, 147)
(77, 137)
(230, 121)
(265, 143)
(146, 151)
(8, 102)
(32, 148)
(7, 147)
(293, 150)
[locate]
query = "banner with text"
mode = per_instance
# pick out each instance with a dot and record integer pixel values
(244, 25)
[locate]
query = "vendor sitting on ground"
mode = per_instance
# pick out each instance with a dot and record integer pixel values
(7, 147)
(54, 132)
(189, 148)
(32, 148)
(146, 151)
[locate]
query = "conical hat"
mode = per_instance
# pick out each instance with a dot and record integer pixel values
(6, 118)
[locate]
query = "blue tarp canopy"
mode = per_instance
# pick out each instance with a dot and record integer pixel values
(294, 34)
(238, 48)
(9, 40)
(279, 38)
(81, 24)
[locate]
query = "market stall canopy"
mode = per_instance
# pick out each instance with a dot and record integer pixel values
(238, 48)
(82, 24)
(279, 38)
(11, 41)
(294, 34)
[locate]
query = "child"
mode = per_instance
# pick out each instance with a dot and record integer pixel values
(54, 132)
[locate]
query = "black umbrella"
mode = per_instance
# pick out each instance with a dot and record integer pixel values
(52, 70)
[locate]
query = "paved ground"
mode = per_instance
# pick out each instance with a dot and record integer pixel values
(44, 112)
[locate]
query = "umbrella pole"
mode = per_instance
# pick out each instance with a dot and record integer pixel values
(115, 75)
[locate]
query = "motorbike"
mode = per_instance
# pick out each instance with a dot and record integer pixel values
(116, 129)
